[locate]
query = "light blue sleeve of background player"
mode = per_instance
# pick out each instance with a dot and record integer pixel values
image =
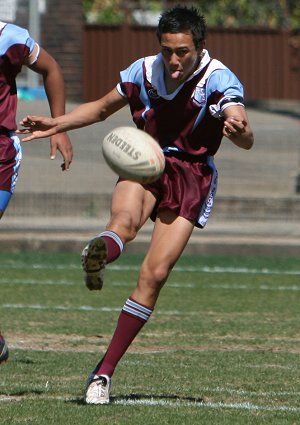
(13, 34)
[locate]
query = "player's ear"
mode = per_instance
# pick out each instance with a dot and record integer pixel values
(202, 44)
(200, 48)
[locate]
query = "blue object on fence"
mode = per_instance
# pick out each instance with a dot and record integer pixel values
(31, 93)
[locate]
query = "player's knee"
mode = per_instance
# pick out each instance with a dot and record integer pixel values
(124, 226)
(154, 276)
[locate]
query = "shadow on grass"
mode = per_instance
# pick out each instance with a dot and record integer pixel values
(131, 398)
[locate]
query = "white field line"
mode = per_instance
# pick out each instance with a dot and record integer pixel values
(37, 282)
(220, 390)
(210, 405)
(59, 307)
(169, 285)
(233, 391)
(163, 402)
(221, 286)
(180, 269)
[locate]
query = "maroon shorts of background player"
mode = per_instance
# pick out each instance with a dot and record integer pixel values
(7, 162)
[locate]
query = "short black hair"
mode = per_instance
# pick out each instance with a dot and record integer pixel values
(182, 19)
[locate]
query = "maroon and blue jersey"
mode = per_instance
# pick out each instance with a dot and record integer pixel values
(188, 126)
(186, 118)
(15, 46)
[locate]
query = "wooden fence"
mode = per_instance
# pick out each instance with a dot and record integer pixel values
(266, 61)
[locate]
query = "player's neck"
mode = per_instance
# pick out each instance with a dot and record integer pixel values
(172, 85)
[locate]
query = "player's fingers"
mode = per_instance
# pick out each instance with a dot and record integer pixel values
(66, 165)
(23, 131)
(67, 156)
(28, 138)
(53, 150)
(28, 121)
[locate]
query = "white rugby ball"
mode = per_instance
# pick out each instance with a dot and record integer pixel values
(133, 154)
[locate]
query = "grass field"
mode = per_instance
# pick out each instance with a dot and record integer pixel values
(222, 346)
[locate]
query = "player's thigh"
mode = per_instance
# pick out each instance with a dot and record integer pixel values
(130, 201)
(170, 236)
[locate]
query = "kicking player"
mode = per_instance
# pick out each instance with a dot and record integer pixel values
(187, 101)
(17, 48)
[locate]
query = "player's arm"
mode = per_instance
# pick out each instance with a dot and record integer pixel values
(44, 64)
(236, 126)
(82, 116)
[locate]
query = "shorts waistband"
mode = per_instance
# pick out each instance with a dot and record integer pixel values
(186, 156)
(4, 131)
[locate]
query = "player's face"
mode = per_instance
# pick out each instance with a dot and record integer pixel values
(180, 56)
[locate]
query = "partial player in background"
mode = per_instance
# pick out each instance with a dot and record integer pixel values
(3, 350)
(17, 48)
(187, 102)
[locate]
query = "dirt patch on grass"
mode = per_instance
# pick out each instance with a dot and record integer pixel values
(99, 343)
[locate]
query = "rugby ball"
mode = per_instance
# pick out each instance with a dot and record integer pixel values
(133, 154)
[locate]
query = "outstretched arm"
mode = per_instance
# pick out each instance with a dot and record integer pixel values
(237, 128)
(82, 116)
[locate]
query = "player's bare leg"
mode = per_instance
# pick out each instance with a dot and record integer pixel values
(131, 206)
(170, 236)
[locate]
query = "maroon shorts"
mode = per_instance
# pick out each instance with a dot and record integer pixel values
(185, 188)
(10, 158)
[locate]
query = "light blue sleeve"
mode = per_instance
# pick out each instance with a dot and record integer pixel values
(20, 35)
(133, 74)
(230, 88)
(226, 82)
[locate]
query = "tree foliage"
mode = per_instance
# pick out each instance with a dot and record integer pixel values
(224, 13)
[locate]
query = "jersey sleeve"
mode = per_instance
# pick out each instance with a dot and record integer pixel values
(131, 76)
(19, 37)
(230, 88)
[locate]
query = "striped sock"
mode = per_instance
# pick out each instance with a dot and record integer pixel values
(114, 245)
(131, 320)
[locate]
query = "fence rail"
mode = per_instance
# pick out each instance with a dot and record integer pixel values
(266, 61)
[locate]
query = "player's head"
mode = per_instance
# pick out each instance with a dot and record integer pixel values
(181, 19)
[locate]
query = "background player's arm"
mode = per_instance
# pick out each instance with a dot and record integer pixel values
(44, 64)
(82, 116)
(237, 127)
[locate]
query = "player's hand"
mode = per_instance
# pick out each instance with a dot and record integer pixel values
(62, 143)
(234, 126)
(37, 126)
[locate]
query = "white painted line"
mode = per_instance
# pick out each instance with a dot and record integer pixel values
(163, 402)
(59, 307)
(37, 282)
(173, 284)
(169, 285)
(256, 393)
(180, 269)
(210, 405)
(216, 269)
(251, 288)
(80, 308)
